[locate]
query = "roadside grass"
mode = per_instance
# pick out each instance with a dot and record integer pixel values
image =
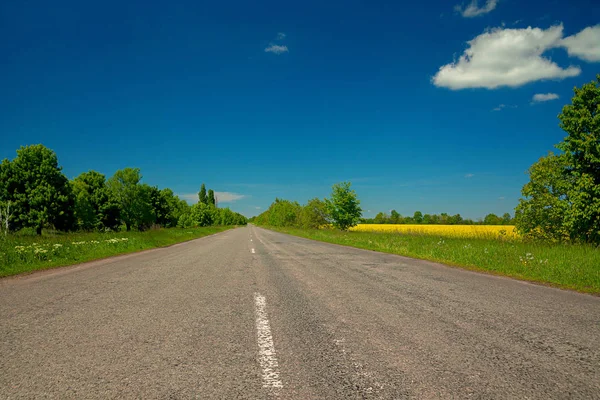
(26, 253)
(568, 266)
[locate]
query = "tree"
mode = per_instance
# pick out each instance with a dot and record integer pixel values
(395, 217)
(314, 214)
(456, 219)
(492, 219)
(211, 198)
(418, 217)
(132, 197)
(381, 218)
(202, 195)
(562, 199)
(506, 219)
(37, 189)
(94, 207)
(542, 212)
(344, 206)
(202, 214)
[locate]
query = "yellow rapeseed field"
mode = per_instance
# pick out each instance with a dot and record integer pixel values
(461, 231)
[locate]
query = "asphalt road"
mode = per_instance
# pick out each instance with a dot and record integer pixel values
(253, 314)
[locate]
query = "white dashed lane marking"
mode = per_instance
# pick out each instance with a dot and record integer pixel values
(266, 350)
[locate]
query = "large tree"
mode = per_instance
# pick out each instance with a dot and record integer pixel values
(344, 206)
(132, 197)
(37, 189)
(562, 199)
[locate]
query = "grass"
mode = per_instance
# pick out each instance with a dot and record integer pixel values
(568, 266)
(26, 253)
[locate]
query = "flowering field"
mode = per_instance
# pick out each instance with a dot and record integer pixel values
(28, 253)
(457, 231)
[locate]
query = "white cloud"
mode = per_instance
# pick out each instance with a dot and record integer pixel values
(228, 197)
(505, 57)
(276, 49)
(501, 198)
(539, 97)
(473, 10)
(258, 208)
(585, 44)
(503, 106)
(469, 176)
(281, 36)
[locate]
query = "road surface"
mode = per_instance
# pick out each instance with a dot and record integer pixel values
(253, 314)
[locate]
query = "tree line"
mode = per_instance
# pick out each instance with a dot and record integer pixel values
(342, 210)
(34, 193)
(442, 219)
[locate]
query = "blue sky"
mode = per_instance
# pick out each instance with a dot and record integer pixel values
(422, 105)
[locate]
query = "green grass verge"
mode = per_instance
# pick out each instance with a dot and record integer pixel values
(19, 254)
(567, 266)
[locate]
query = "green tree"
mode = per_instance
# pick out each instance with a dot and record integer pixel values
(39, 192)
(132, 197)
(344, 206)
(314, 214)
(94, 207)
(202, 214)
(492, 219)
(211, 198)
(395, 217)
(542, 212)
(562, 199)
(174, 207)
(418, 217)
(381, 218)
(202, 195)
(456, 219)
(506, 219)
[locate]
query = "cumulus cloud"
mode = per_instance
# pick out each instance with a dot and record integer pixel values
(537, 98)
(276, 49)
(473, 9)
(585, 44)
(281, 36)
(505, 57)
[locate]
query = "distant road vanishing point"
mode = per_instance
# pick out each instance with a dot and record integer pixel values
(252, 314)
